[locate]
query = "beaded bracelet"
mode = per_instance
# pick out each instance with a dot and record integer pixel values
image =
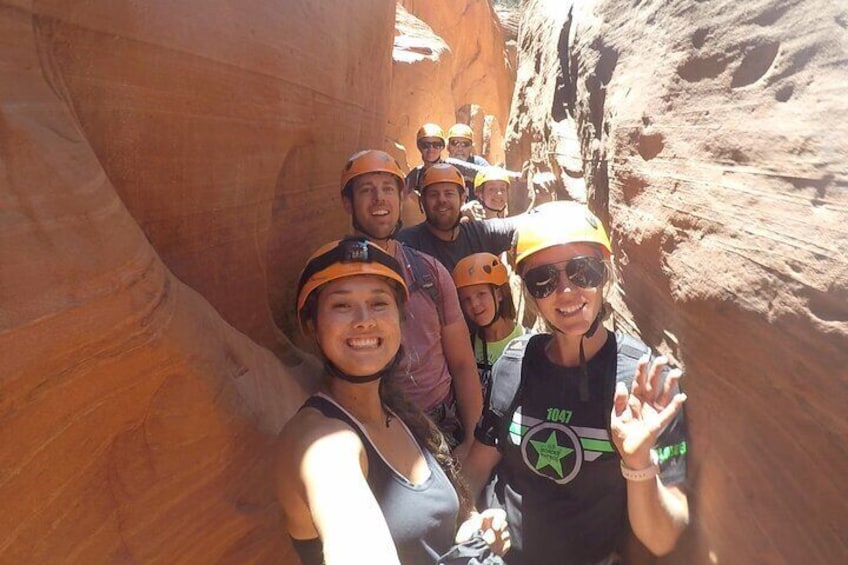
(645, 474)
(639, 475)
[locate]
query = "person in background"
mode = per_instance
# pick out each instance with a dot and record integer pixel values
(482, 282)
(587, 434)
(438, 373)
(491, 186)
(461, 154)
(442, 234)
(430, 140)
(364, 477)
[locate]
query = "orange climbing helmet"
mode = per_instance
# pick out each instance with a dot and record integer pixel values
(346, 258)
(489, 174)
(480, 268)
(430, 130)
(369, 161)
(558, 223)
(462, 131)
(442, 172)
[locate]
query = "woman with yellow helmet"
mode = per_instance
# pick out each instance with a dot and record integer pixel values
(363, 476)
(491, 188)
(587, 436)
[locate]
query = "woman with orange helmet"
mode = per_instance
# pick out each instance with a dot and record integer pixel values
(588, 438)
(482, 283)
(363, 476)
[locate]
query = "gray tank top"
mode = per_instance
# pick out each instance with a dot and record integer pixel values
(421, 518)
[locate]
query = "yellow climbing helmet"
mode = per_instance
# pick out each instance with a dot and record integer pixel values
(480, 268)
(346, 258)
(442, 172)
(462, 131)
(558, 223)
(430, 130)
(488, 174)
(369, 161)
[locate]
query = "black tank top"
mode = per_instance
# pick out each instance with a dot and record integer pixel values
(421, 518)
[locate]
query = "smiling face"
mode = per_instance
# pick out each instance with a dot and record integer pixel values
(570, 309)
(494, 195)
(431, 149)
(459, 148)
(357, 324)
(478, 303)
(442, 202)
(375, 204)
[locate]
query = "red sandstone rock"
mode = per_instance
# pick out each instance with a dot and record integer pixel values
(226, 142)
(449, 57)
(708, 133)
(151, 155)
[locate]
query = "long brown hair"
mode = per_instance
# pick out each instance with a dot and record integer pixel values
(428, 435)
(422, 427)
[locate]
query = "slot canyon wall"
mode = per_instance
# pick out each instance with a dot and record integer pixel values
(166, 169)
(711, 137)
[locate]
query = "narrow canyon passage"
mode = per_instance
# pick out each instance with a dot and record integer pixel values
(168, 168)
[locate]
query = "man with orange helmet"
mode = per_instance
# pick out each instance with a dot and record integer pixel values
(442, 235)
(439, 372)
(430, 140)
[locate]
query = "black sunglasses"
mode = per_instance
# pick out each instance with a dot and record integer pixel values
(431, 145)
(456, 143)
(583, 272)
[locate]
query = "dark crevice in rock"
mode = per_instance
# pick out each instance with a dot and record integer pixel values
(755, 64)
(698, 68)
(564, 92)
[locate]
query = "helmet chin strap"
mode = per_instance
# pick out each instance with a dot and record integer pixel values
(501, 211)
(498, 307)
(583, 385)
(388, 369)
(450, 229)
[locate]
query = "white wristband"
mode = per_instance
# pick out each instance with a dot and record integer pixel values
(639, 475)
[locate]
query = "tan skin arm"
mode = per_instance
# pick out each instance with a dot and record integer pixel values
(658, 513)
(322, 488)
(466, 382)
(478, 466)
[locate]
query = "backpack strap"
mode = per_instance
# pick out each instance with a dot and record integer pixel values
(508, 377)
(630, 350)
(424, 278)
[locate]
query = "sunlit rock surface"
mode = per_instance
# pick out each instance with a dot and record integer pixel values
(711, 136)
(477, 72)
(166, 168)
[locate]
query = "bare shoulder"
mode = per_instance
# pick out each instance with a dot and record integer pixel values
(310, 433)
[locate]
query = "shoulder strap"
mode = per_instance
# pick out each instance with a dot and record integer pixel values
(630, 350)
(507, 375)
(424, 278)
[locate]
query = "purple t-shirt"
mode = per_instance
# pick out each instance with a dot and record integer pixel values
(423, 375)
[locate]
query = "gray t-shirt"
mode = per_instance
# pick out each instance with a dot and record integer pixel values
(492, 236)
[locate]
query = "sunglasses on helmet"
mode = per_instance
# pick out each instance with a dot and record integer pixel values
(583, 272)
(431, 145)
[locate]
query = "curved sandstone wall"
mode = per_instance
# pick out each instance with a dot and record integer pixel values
(166, 168)
(708, 135)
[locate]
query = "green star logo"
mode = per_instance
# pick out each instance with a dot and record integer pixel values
(550, 453)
